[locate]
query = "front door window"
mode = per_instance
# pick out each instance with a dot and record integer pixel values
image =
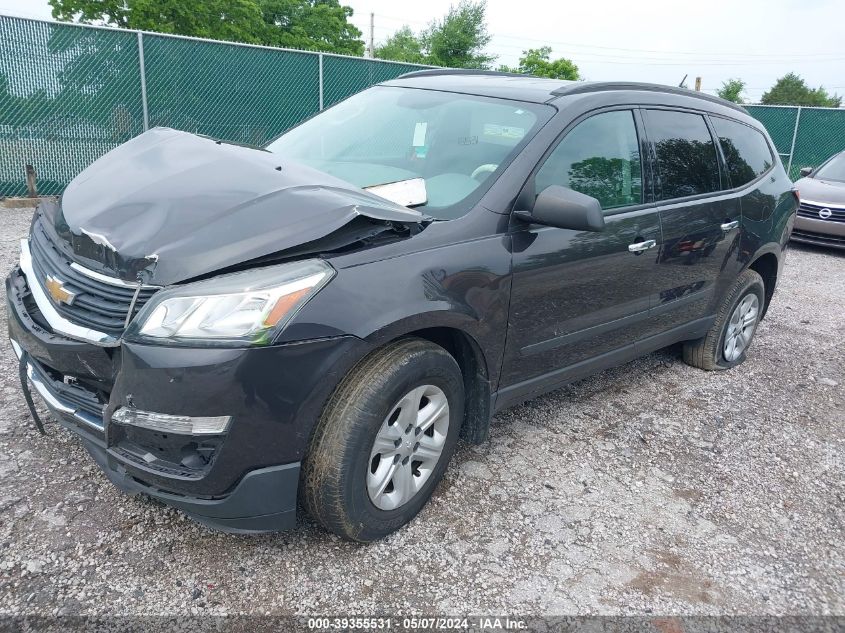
(600, 157)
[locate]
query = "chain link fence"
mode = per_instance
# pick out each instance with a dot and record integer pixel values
(803, 136)
(67, 96)
(70, 93)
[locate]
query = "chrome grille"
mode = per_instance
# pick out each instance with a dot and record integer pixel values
(811, 210)
(97, 304)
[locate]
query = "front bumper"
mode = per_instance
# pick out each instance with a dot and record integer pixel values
(263, 501)
(819, 232)
(245, 480)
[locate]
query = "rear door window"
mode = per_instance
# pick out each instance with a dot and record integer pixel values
(746, 151)
(687, 162)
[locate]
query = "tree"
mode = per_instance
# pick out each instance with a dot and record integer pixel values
(316, 24)
(606, 179)
(685, 166)
(456, 41)
(793, 90)
(731, 90)
(320, 24)
(402, 46)
(238, 20)
(535, 61)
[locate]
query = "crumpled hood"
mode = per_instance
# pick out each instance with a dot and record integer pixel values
(171, 206)
(821, 191)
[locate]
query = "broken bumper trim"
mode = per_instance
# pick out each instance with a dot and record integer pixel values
(263, 501)
(53, 400)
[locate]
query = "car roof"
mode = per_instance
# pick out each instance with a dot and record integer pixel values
(486, 84)
(532, 89)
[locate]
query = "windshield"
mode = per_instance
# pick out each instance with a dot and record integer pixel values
(454, 142)
(834, 169)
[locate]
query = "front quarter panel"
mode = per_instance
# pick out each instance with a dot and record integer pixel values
(464, 285)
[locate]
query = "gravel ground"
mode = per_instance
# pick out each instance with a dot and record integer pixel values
(650, 488)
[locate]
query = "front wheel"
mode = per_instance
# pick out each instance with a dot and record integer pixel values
(730, 336)
(384, 440)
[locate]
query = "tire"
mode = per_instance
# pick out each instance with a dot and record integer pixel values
(344, 468)
(710, 353)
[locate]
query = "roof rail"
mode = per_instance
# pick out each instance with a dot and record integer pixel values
(433, 72)
(600, 86)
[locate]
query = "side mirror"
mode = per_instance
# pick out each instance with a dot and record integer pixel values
(805, 171)
(565, 209)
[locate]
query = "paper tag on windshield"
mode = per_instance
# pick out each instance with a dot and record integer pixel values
(419, 134)
(503, 131)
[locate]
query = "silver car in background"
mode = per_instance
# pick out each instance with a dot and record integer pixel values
(821, 215)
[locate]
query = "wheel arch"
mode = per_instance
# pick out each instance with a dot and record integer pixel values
(471, 359)
(767, 265)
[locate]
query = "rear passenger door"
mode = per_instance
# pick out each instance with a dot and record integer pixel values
(700, 223)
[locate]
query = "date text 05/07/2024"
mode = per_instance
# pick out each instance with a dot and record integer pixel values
(493, 623)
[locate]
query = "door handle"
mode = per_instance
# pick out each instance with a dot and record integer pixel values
(639, 247)
(730, 226)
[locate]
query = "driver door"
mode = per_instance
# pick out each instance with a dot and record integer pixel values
(579, 297)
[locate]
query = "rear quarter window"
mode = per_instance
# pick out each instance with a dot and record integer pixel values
(746, 151)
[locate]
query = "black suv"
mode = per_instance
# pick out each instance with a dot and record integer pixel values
(231, 329)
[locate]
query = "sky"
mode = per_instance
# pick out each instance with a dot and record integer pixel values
(652, 40)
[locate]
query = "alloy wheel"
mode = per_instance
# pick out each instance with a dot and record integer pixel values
(741, 327)
(407, 447)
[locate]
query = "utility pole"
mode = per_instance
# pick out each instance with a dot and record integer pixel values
(698, 84)
(31, 188)
(371, 48)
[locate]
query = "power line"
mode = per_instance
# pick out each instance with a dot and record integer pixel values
(705, 60)
(663, 51)
(600, 58)
(608, 58)
(594, 58)
(740, 55)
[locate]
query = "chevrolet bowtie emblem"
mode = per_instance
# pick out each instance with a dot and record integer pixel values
(57, 290)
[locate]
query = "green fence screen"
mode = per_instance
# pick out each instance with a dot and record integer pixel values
(69, 94)
(804, 137)
(344, 76)
(237, 93)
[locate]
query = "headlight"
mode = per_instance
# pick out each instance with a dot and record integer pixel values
(245, 307)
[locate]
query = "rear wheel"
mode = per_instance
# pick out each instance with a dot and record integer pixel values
(384, 440)
(728, 340)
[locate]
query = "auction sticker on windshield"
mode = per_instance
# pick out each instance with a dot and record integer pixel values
(503, 131)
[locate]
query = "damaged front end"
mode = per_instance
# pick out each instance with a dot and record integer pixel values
(147, 301)
(170, 206)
